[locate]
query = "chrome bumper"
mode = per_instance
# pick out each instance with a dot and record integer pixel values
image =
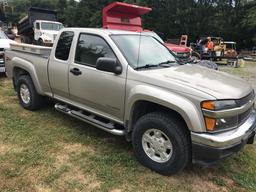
(229, 138)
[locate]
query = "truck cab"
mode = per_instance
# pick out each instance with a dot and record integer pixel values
(45, 32)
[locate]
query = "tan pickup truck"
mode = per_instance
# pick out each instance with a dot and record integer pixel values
(128, 84)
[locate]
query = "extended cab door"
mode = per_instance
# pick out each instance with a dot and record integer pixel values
(59, 65)
(98, 91)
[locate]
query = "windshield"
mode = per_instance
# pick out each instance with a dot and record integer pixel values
(51, 26)
(153, 34)
(140, 50)
(2, 35)
(231, 46)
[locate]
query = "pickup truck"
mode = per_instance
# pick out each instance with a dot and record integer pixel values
(129, 84)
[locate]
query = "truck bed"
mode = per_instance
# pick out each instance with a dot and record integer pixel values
(36, 56)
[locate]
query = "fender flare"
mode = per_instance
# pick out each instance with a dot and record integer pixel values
(28, 67)
(183, 106)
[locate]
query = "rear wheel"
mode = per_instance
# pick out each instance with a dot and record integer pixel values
(161, 143)
(28, 97)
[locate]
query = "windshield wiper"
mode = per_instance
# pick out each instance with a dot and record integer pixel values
(146, 66)
(162, 64)
(166, 62)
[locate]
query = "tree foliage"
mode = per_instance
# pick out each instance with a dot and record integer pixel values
(231, 19)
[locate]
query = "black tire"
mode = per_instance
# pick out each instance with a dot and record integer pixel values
(40, 42)
(36, 101)
(175, 130)
(195, 55)
(221, 55)
(22, 39)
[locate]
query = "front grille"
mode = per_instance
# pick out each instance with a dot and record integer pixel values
(240, 102)
(244, 116)
(183, 55)
(246, 99)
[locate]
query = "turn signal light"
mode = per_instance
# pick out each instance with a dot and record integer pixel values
(210, 123)
(208, 105)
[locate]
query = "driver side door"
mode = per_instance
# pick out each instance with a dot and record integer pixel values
(97, 91)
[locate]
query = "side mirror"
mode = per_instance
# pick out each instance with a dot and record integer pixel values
(11, 36)
(109, 65)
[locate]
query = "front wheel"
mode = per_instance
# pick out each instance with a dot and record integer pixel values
(40, 42)
(195, 56)
(161, 143)
(28, 97)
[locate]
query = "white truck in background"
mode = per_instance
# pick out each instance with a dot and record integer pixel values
(40, 26)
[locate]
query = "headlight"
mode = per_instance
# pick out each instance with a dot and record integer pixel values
(218, 105)
(219, 123)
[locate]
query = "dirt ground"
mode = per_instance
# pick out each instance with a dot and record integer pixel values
(246, 71)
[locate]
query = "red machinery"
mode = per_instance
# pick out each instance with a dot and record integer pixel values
(123, 16)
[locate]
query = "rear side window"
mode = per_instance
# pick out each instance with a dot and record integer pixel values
(64, 44)
(90, 48)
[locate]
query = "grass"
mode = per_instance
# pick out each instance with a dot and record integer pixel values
(49, 151)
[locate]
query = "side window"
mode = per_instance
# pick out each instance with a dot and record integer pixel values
(64, 44)
(90, 48)
(37, 26)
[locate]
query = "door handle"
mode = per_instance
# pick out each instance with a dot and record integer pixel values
(75, 71)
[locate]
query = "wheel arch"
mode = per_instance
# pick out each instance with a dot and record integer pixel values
(22, 67)
(142, 107)
(140, 104)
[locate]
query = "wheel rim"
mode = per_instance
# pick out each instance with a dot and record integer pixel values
(24, 93)
(157, 145)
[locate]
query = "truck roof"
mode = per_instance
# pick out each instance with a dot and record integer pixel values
(49, 21)
(102, 30)
(229, 42)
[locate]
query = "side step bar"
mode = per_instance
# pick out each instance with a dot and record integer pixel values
(108, 127)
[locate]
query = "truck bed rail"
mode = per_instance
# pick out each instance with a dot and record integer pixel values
(33, 49)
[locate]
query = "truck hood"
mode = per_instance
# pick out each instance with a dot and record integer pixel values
(177, 48)
(215, 83)
(5, 43)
